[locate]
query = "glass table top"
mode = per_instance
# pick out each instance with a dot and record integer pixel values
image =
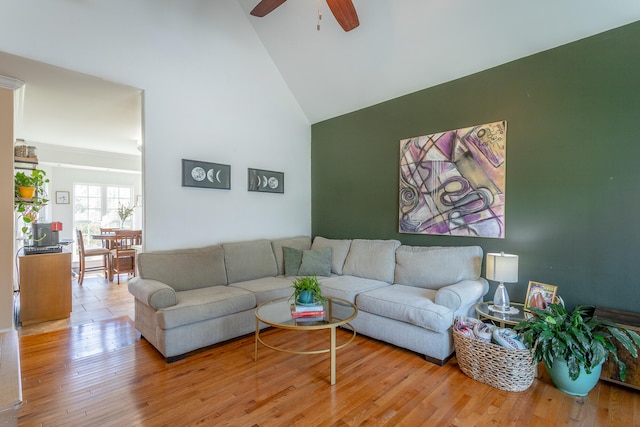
(278, 313)
(482, 309)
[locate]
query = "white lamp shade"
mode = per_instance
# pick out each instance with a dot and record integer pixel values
(502, 267)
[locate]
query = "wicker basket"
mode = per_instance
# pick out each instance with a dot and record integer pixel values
(494, 365)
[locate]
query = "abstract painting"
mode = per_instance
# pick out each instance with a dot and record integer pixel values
(453, 183)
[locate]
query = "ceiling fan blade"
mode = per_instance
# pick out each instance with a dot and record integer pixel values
(345, 13)
(265, 7)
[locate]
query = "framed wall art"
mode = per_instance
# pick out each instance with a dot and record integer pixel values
(265, 181)
(62, 197)
(539, 295)
(196, 173)
(453, 183)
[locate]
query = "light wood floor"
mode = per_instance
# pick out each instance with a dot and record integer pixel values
(101, 373)
(97, 299)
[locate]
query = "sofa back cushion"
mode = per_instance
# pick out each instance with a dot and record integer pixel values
(300, 242)
(184, 269)
(339, 251)
(249, 260)
(435, 267)
(372, 259)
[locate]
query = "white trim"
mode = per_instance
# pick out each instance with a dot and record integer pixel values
(10, 83)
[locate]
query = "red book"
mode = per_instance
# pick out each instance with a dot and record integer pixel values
(299, 314)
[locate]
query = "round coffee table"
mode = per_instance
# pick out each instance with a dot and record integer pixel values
(277, 313)
(503, 319)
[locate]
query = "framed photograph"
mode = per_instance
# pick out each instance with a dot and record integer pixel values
(539, 295)
(266, 181)
(62, 197)
(196, 173)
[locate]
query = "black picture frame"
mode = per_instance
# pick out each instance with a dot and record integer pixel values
(196, 173)
(265, 181)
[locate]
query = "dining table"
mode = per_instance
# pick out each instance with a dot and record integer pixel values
(108, 239)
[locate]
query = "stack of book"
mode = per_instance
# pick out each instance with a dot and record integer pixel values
(307, 313)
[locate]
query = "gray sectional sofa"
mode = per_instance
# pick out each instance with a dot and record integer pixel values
(406, 295)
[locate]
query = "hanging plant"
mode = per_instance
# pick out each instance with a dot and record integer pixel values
(29, 207)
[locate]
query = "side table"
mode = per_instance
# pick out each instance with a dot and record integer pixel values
(610, 371)
(483, 312)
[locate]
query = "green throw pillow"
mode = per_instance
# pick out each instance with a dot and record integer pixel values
(292, 261)
(316, 262)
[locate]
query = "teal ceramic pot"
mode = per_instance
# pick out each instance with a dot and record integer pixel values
(581, 386)
(305, 297)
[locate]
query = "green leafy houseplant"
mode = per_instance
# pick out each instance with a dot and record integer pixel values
(28, 208)
(307, 284)
(578, 338)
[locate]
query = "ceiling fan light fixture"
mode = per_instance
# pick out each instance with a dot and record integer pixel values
(343, 10)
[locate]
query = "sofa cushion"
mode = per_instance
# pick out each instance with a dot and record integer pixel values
(292, 261)
(347, 287)
(249, 260)
(267, 288)
(339, 251)
(184, 269)
(300, 242)
(198, 305)
(372, 259)
(315, 262)
(435, 267)
(408, 304)
(311, 262)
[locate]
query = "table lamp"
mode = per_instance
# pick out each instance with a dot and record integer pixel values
(502, 268)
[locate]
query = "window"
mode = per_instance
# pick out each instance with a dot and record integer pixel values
(96, 206)
(117, 196)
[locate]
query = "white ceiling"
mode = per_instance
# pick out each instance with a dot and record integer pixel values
(70, 109)
(403, 46)
(400, 47)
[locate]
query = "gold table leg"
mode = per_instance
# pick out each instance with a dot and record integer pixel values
(333, 355)
(255, 356)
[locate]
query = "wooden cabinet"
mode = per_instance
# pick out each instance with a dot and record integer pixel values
(610, 371)
(45, 287)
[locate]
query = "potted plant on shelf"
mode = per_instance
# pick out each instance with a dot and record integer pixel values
(573, 346)
(306, 290)
(30, 186)
(27, 205)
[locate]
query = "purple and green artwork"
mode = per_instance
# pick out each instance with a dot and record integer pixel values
(453, 183)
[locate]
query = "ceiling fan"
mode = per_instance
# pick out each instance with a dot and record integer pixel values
(343, 10)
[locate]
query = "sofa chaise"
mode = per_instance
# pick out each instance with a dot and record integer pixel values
(188, 299)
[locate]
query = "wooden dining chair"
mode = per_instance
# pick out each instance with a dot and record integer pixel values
(106, 243)
(83, 254)
(123, 253)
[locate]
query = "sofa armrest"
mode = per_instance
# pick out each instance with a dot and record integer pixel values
(152, 292)
(462, 294)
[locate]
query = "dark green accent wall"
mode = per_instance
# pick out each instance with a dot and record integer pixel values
(573, 165)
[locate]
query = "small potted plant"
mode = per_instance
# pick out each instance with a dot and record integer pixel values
(27, 205)
(573, 346)
(306, 290)
(30, 186)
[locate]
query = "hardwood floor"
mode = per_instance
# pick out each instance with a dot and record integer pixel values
(97, 299)
(102, 373)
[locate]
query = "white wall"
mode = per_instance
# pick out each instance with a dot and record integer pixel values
(211, 93)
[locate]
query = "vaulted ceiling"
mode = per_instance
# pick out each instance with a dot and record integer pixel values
(403, 46)
(400, 46)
